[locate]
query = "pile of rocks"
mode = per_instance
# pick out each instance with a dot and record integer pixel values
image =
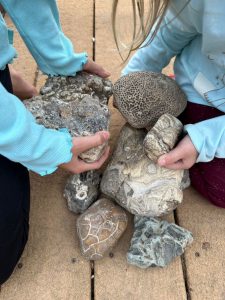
(132, 180)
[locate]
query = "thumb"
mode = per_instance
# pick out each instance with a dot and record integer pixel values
(85, 143)
(170, 158)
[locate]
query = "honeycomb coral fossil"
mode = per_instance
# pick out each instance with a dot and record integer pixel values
(142, 97)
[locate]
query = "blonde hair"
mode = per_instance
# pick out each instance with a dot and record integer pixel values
(143, 22)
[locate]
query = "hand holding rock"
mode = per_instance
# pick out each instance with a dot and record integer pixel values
(82, 144)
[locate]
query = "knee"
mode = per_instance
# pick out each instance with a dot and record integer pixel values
(11, 250)
(216, 195)
(210, 184)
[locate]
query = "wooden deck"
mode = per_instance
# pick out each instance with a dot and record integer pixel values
(52, 268)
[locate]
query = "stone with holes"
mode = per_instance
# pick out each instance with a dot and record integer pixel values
(162, 137)
(136, 182)
(77, 103)
(155, 243)
(100, 227)
(82, 190)
(142, 97)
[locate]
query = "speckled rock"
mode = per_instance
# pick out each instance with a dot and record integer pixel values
(136, 182)
(100, 227)
(82, 190)
(162, 137)
(142, 97)
(77, 103)
(155, 243)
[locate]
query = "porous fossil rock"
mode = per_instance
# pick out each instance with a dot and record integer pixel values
(100, 227)
(142, 97)
(136, 182)
(155, 243)
(82, 190)
(77, 103)
(162, 136)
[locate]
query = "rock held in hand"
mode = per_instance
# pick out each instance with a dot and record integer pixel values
(137, 183)
(162, 136)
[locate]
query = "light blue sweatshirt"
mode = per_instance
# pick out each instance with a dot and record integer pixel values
(21, 139)
(194, 32)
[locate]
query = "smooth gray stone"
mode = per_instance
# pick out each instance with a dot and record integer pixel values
(155, 243)
(82, 190)
(77, 103)
(142, 97)
(137, 183)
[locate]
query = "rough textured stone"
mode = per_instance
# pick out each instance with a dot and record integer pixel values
(100, 227)
(142, 97)
(77, 103)
(136, 182)
(155, 243)
(162, 137)
(82, 190)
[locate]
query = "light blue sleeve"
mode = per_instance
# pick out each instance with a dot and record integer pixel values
(38, 24)
(175, 32)
(22, 140)
(208, 138)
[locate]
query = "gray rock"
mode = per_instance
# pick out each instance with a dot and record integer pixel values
(186, 181)
(100, 227)
(136, 182)
(162, 137)
(77, 103)
(142, 97)
(155, 243)
(82, 190)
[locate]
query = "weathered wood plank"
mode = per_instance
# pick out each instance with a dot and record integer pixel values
(205, 259)
(52, 265)
(114, 278)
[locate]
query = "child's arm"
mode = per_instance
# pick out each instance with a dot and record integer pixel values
(38, 24)
(37, 148)
(175, 32)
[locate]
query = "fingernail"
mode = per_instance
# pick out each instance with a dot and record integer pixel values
(161, 161)
(105, 134)
(107, 74)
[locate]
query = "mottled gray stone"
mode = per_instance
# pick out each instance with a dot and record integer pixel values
(155, 243)
(136, 182)
(142, 97)
(185, 182)
(77, 103)
(100, 227)
(82, 190)
(162, 136)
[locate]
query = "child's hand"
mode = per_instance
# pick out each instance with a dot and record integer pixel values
(94, 68)
(81, 144)
(183, 156)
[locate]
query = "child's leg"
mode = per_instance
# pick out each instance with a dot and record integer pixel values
(21, 88)
(14, 206)
(2, 11)
(208, 178)
(14, 214)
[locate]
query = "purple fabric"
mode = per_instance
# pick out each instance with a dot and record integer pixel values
(207, 178)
